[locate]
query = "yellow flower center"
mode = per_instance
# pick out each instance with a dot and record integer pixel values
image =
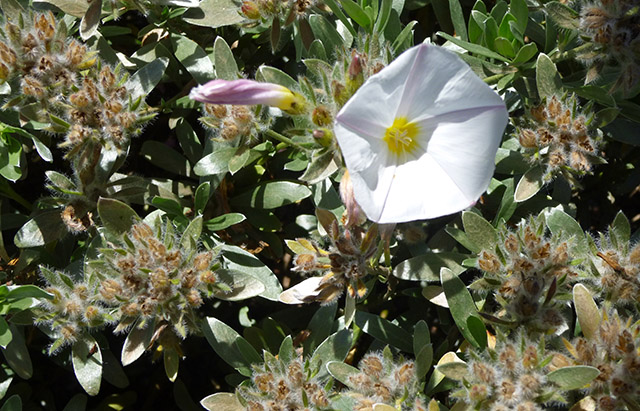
(401, 136)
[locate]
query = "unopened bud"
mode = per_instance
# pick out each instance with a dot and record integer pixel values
(355, 78)
(323, 136)
(321, 116)
(250, 10)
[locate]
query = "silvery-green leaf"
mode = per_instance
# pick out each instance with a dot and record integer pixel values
(573, 377)
(529, 185)
(587, 311)
(87, 364)
(222, 401)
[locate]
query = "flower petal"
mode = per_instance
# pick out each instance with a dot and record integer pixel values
(460, 125)
(440, 82)
(297, 293)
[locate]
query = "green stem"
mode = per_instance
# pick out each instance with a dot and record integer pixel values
(284, 139)
(494, 79)
(569, 54)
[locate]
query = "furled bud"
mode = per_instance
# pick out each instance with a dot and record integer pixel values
(249, 92)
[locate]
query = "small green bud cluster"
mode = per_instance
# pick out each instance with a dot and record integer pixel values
(384, 380)
(346, 264)
(526, 270)
(231, 122)
(278, 385)
(144, 278)
(557, 135)
(612, 27)
(66, 83)
(509, 377)
(615, 351)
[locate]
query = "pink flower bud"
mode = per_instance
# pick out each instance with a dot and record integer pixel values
(248, 92)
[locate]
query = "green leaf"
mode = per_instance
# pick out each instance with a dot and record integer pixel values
(5, 333)
(272, 194)
(286, 351)
(525, 54)
(191, 235)
(343, 372)
(605, 116)
(43, 150)
(563, 15)
(383, 16)
(384, 330)
(166, 158)
(17, 354)
(275, 76)
(573, 377)
(136, 343)
(461, 306)
(225, 63)
(562, 224)
(326, 32)
(547, 77)
(77, 403)
(27, 291)
(587, 311)
(143, 81)
(222, 401)
(213, 14)
(356, 12)
(321, 166)
(215, 163)
(91, 20)
(116, 216)
(479, 230)
(224, 221)
(235, 258)
(529, 185)
(10, 157)
(621, 228)
(422, 348)
(171, 360)
(520, 10)
(87, 364)
(222, 339)
(14, 403)
(242, 285)
(474, 48)
(403, 37)
(320, 326)
(334, 348)
(42, 229)
(201, 198)
(504, 47)
(426, 267)
(192, 57)
(457, 18)
(456, 369)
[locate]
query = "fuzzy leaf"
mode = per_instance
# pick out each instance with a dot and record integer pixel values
(272, 194)
(342, 372)
(136, 343)
(86, 365)
(334, 348)
(587, 311)
(42, 229)
(384, 330)
(214, 13)
(479, 230)
(222, 401)
(426, 267)
(529, 185)
(547, 77)
(573, 377)
(192, 57)
(143, 81)
(462, 307)
(116, 216)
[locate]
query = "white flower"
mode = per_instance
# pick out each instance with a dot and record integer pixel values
(419, 138)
